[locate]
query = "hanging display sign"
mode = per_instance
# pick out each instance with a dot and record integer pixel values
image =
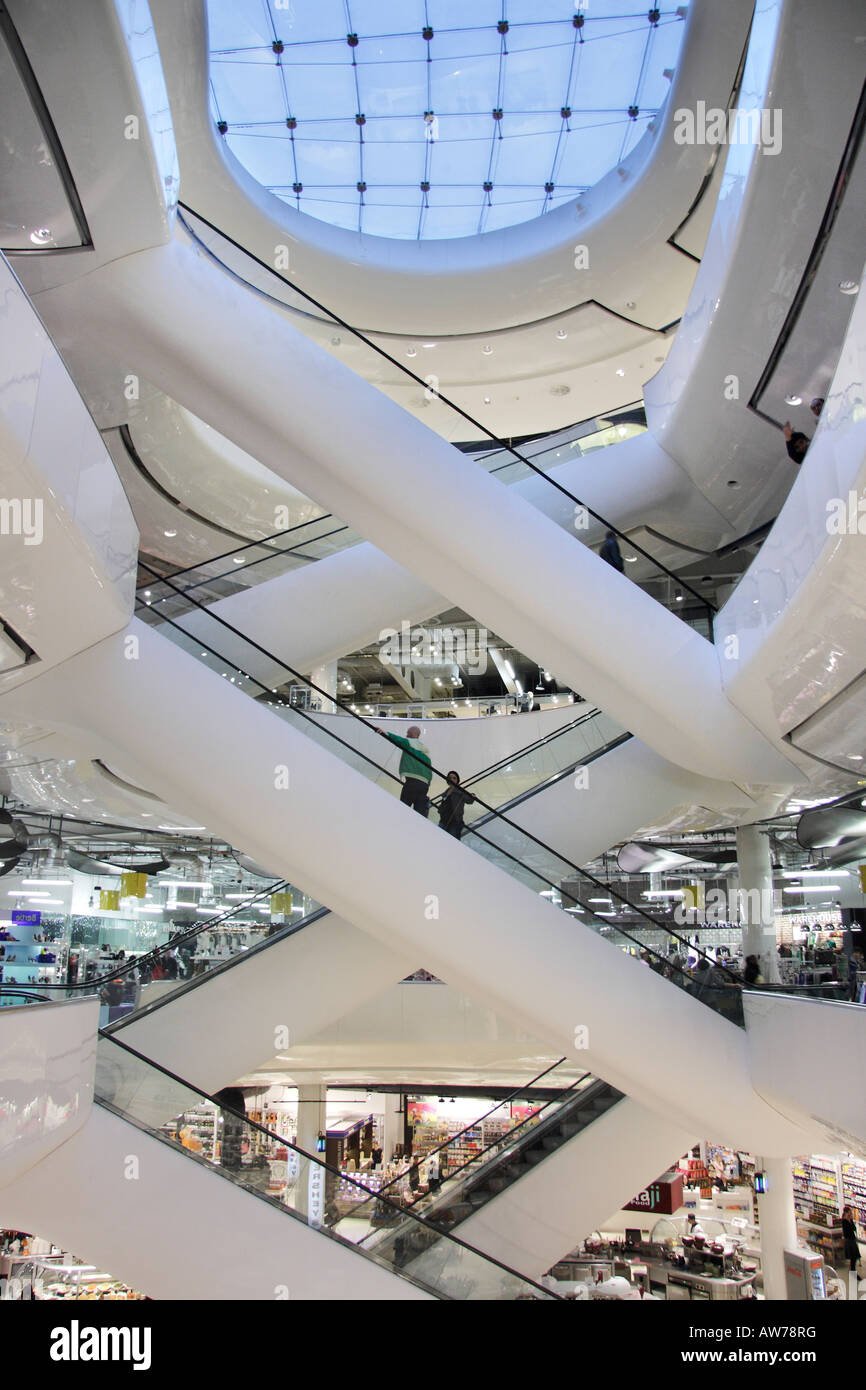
(861, 869)
(693, 896)
(281, 903)
(25, 918)
(133, 885)
(109, 899)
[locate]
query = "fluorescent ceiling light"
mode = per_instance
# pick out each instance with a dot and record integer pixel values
(182, 827)
(818, 873)
(825, 888)
(182, 883)
(51, 882)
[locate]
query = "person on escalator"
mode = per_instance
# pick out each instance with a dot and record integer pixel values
(796, 443)
(454, 802)
(416, 769)
(610, 552)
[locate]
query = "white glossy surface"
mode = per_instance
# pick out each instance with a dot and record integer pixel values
(47, 1061)
(807, 1058)
(227, 1027)
(99, 74)
(211, 475)
(492, 938)
(798, 613)
(225, 1244)
(547, 1213)
(75, 519)
(768, 215)
(420, 501)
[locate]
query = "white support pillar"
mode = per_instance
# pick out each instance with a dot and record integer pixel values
(325, 677)
(393, 1127)
(312, 1121)
(778, 1218)
(755, 898)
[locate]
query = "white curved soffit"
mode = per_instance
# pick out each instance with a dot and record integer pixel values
(516, 275)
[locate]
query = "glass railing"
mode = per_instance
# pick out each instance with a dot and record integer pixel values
(538, 767)
(513, 849)
(586, 438)
(297, 1184)
(414, 379)
(137, 981)
(244, 566)
(459, 1189)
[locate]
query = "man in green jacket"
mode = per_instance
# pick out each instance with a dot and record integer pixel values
(415, 769)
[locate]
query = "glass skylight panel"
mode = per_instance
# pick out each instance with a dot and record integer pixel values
(359, 102)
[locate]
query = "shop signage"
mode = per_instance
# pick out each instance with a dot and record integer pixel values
(315, 1195)
(24, 918)
(665, 1196)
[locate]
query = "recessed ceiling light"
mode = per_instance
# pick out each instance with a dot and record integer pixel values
(793, 400)
(630, 304)
(846, 286)
(335, 341)
(169, 534)
(561, 333)
(620, 372)
(486, 400)
(41, 236)
(239, 559)
(561, 389)
(487, 349)
(411, 352)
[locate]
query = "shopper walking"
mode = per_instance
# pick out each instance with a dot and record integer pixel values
(454, 801)
(416, 769)
(849, 1235)
(610, 552)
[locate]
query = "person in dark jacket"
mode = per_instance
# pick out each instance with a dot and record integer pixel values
(849, 1235)
(796, 443)
(610, 552)
(454, 801)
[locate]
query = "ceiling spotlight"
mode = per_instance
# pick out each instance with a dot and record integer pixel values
(487, 349)
(239, 559)
(41, 236)
(412, 352)
(561, 333)
(846, 286)
(170, 534)
(486, 400)
(620, 371)
(793, 400)
(678, 596)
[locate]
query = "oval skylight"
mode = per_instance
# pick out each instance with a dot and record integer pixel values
(435, 118)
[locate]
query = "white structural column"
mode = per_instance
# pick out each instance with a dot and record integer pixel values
(324, 678)
(778, 1219)
(756, 899)
(312, 1122)
(312, 1107)
(392, 1133)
